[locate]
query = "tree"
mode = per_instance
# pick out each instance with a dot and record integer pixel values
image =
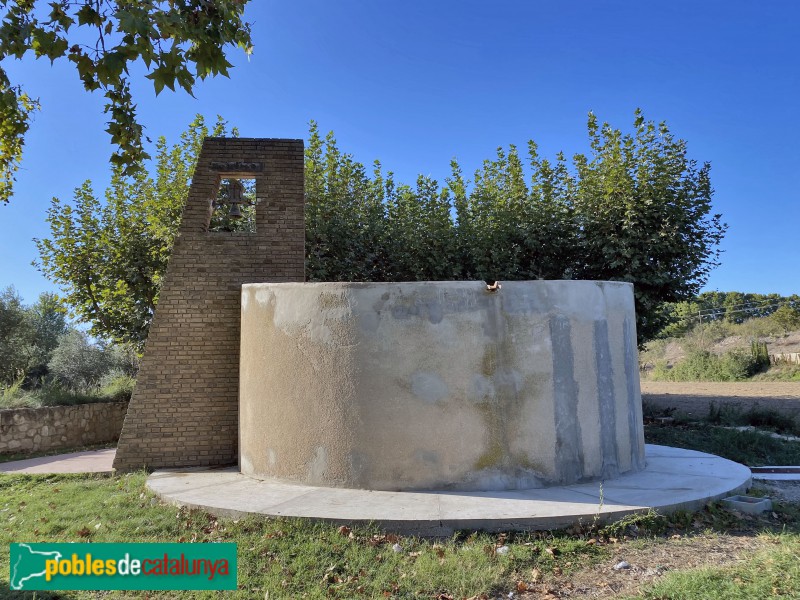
(787, 317)
(12, 335)
(109, 257)
(176, 42)
(46, 323)
(28, 335)
(77, 363)
(644, 213)
(637, 210)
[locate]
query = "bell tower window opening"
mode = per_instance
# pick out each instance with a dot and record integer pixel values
(234, 208)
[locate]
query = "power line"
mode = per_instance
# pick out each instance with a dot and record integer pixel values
(700, 316)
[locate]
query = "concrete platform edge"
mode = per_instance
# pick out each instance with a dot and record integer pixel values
(215, 491)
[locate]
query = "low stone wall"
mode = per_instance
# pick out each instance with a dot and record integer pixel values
(53, 427)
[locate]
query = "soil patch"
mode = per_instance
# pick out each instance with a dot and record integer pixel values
(694, 398)
(647, 561)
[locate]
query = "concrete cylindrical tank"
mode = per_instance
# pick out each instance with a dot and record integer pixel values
(439, 385)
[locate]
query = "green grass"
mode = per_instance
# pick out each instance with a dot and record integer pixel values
(769, 573)
(752, 448)
(289, 558)
(118, 389)
(780, 372)
(294, 558)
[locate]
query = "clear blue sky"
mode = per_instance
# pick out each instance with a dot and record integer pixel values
(418, 83)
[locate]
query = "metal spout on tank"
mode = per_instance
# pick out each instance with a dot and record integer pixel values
(493, 286)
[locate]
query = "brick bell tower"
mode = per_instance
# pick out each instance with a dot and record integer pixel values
(184, 410)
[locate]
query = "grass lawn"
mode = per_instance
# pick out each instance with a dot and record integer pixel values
(288, 558)
(708, 554)
(751, 448)
(773, 572)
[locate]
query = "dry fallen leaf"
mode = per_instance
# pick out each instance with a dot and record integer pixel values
(85, 532)
(522, 586)
(536, 575)
(344, 530)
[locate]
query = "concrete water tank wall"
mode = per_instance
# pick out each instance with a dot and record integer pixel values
(439, 385)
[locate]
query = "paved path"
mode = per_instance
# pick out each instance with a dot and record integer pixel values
(91, 461)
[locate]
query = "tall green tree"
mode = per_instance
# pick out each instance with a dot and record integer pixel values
(645, 216)
(12, 335)
(635, 209)
(175, 43)
(28, 334)
(109, 256)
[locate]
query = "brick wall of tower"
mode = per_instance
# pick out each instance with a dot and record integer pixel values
(184, 411)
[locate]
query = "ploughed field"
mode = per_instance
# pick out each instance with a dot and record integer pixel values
(696, 397)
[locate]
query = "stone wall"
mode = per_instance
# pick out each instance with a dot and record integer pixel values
(184, 411)
(53, 427)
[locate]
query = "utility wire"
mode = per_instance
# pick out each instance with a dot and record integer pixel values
(700, 316)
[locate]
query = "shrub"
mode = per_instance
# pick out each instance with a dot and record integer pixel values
(13, 396)
(786, 318)
(117, 386)
(77, 363)
(760, 355)
(54, 393)
(737, 365)
(697, 365)
(701, 365)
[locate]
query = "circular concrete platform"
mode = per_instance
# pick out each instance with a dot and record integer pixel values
(673, 479)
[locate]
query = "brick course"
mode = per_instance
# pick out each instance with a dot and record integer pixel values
(184, 411)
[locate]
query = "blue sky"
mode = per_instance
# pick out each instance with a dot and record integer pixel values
(418, 83)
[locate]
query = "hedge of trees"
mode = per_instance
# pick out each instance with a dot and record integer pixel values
(636, 208)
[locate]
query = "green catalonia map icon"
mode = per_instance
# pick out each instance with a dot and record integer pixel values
(27, 565)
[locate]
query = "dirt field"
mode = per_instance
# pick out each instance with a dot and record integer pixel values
(694, 398)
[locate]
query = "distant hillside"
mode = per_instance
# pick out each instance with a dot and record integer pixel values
(721, 349)
(730, 307)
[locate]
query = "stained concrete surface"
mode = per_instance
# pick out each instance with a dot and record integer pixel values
(439, 385)
(673, 479)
